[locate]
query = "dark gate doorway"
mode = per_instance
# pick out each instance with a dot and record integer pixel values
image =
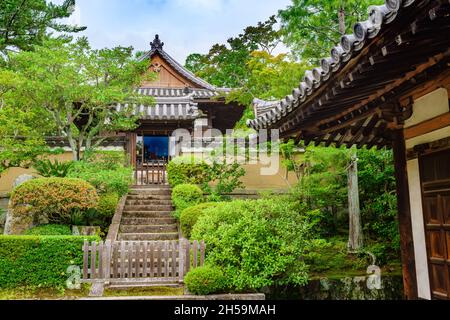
(151, 160)
(435, 178)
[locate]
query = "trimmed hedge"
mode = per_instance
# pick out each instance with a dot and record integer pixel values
(44, 200)
(50, 230)
(107, 204)
(39, 261)
(189, 216)
(187, 170)
(185, 196)
(205, 280)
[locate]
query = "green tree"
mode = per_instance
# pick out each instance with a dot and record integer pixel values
(77, 87)
(225, 65)
(25, 23)
(22, 130)
(312, 27)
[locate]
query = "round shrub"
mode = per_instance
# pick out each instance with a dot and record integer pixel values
(257, 243)
(205, 280)
(189, 216)
(50, 230)
(185, 196)
(107, 204)
(44, 200)
(186, 170)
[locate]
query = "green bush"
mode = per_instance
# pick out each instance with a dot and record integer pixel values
(103, 179)
(189, 216)
(48, 169)
(107, 204)
(186, 170)
(185, 196)
(39, 261)
(257, 243)
(205, 280)
(50, 230)
(53, 200)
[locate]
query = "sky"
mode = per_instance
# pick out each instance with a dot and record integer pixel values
(185, 26)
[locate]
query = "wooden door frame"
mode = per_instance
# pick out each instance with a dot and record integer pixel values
(421, 155)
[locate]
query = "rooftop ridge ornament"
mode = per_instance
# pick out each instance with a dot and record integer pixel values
(156, 44)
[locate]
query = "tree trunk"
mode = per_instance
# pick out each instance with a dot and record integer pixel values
(355, 239)
(342, 21)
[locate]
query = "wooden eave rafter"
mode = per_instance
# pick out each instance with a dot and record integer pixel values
(373, 93)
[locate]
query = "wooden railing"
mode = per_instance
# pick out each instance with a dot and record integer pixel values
(141, 261)
(148, 173)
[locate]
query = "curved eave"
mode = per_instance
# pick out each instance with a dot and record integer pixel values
(315, 79)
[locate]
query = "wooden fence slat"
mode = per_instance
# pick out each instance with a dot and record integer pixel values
(130, 259)
(100, 260)
(107, 262)
(152, 259)
(85, 259)
(188, 257)
(140, 267)
(181, 264)
(202, 253)
(174, 259)
(195, 253)
(166, 258)
(145, 261)
(159, 260)
(122, 259)
(115, 262)
(94, 260)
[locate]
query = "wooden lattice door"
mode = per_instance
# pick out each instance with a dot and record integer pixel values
(435, 176)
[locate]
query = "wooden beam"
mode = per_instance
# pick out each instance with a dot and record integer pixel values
(404, 216)
(437, 123)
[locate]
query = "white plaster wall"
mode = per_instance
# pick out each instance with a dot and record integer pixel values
(427, 107)
(418, 230)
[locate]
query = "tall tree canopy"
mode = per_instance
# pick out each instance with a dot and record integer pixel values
(225, 65)
(75, 87)
(312, 27)
(24, 23)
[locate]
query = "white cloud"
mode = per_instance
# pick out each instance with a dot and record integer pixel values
(186, 26)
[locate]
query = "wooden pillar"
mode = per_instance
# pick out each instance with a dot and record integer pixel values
(131, 148)
(404, 216)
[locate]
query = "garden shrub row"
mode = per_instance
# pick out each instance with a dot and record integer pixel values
(50, 230)
(185, 196)
(256, 243)
(39, 261)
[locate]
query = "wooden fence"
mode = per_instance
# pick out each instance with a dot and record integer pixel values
(149, 173)
(141, 261)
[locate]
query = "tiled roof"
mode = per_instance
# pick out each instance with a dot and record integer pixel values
(167, 108)
(363, 32)
(179, 92)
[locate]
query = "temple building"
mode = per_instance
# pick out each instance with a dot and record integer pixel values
(387, 85)
(182, 100)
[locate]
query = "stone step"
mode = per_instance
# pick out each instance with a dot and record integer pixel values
(148, 202)
(147, 221)
(156, 207)
(149, 197)
(167, 228)
(147, 214)
(159, 192)
(148, 236)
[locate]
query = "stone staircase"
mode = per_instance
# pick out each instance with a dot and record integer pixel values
(147, 215)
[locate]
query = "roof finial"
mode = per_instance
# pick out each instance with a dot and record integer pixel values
(156, 44)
